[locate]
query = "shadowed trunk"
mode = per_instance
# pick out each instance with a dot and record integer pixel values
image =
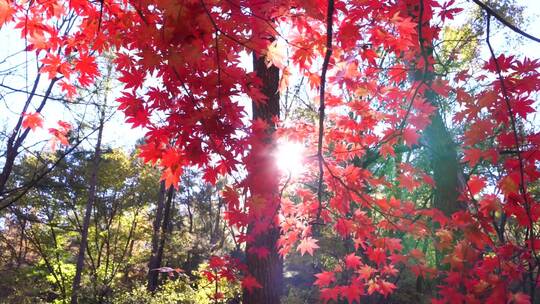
(442, 152)
(447, 172)
(152, 275)
(268, 270)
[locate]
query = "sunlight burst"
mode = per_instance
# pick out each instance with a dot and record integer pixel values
(290, 157)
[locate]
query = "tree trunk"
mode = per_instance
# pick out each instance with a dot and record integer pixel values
(159, 235)
(447, 173)
(88, 211)
(442, 152)
(264, 180)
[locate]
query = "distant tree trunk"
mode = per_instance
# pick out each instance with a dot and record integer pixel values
(442, 152)
(88, 211)
(264, 186)
(216, 231)
(161, 229)
(152, 264)
(128, 251)
(190, 212)
(447, 172)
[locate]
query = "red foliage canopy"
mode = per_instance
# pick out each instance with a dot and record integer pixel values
(183, 81)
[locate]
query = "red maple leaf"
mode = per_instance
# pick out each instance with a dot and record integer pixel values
(390, 270)
(502, 62)
(60, 134)
(87, 68)
(365, 272)
(324, 278)
(475, 184)
(307, 245)
(32, 121)
(472, 156)
(171, 177)
(352, 261)
(410, 136)
(53, 64)
(377, 255)
(344, 226)
(328, 294)
(448, 13)
(249, 283)
(407, 181)
(6, 12)
(352, 293)
(385, 288)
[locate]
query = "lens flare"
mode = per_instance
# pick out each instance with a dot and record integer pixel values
(290, 158)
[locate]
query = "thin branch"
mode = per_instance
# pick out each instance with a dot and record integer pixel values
(46, 171)
(512, 121)
(35, 94)
(530, 230)
(329, 23)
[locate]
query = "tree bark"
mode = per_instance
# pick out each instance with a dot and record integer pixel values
(267, 271)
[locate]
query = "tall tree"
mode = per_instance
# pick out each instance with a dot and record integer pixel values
(263, 179)
(92, 188)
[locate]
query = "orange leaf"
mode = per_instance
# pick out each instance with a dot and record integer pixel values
(6, 12)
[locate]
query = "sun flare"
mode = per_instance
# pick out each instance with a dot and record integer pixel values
(290, 157)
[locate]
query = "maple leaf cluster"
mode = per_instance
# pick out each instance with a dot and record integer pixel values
(231, 270)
